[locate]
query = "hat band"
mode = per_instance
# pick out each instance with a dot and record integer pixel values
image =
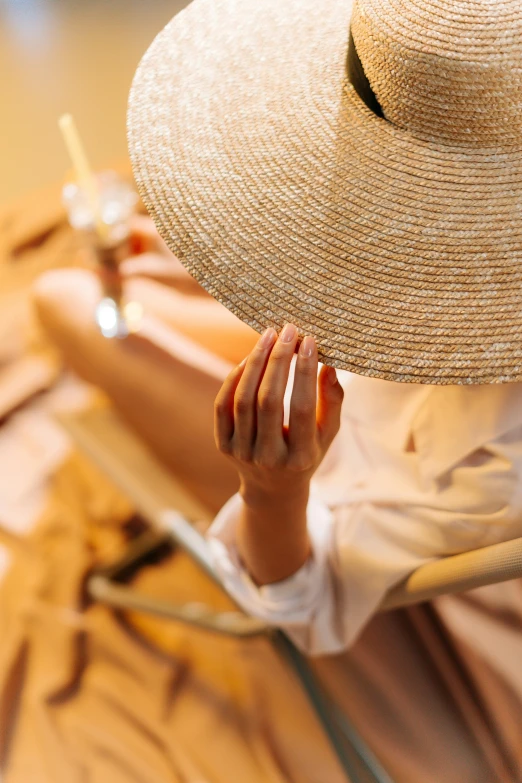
(359, 80)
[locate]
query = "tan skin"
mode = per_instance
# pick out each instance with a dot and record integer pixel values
(275, 464)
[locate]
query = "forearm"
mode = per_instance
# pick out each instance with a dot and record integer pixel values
(272, 536)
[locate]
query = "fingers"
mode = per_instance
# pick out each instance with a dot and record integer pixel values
(329, 406)
(224, 409)
(271, 394)
(144, 237)
(245, 401)
(249, 406)
(303, 423)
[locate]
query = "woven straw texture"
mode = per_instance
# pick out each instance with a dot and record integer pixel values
(396, 241)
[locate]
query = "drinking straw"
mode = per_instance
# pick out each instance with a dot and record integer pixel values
(83, 170)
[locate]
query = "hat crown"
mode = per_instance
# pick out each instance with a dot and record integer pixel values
(448, 71)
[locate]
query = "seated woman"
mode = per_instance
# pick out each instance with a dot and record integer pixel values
(365, 200)
(399, 473)
(415, 472)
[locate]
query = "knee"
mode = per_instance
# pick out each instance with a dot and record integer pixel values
(65, 299)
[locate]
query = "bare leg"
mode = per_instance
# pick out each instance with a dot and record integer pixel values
(160, 381)
(201, 318)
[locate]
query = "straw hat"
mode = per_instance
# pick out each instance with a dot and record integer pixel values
(371, 193)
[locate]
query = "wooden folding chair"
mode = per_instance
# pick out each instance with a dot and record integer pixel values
(167, 507)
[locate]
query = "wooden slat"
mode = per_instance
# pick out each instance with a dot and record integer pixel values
(120, 454)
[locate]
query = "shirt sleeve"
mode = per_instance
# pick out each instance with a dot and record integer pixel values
(326, 603)
(362, 549)
(304, 604)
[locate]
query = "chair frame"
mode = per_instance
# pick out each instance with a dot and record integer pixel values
(106, 585)
(100, 434)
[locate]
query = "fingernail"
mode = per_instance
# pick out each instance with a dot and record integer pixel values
(267, 338)
(288, 333)
(307, 347)
(332, 375)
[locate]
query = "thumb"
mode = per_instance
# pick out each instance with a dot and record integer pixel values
(329, 404)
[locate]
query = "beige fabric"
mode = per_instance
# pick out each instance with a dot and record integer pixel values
(83, 697)
(395, 242)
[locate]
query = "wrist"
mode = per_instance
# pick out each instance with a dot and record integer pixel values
(293, 496)
(272, 536)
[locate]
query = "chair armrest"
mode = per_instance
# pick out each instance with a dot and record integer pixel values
(455, 574)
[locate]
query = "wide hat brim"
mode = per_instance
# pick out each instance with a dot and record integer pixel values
(289, 200)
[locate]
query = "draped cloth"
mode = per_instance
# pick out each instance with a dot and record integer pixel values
(88, 695)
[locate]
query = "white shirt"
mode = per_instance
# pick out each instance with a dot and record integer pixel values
(415, 473)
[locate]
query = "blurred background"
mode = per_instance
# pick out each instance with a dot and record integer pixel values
(75, 56)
